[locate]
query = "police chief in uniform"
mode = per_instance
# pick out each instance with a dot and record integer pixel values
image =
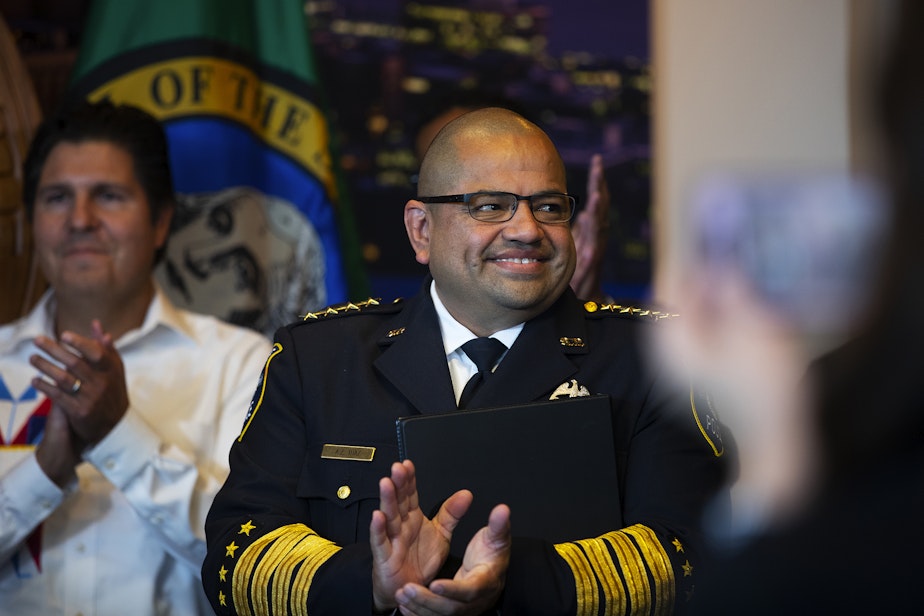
(319, 516)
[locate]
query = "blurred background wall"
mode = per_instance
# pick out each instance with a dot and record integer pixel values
(756, 84)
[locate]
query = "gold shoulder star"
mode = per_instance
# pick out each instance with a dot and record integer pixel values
(221, 599)
(677, 544)
(229, 549)
(222, 574)
(246, 528)
(687, 569)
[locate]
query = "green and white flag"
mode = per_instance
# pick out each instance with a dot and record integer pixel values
(234, 84)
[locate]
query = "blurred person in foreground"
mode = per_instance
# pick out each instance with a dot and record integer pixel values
(118, 408)
(295, 531)
(833, 463)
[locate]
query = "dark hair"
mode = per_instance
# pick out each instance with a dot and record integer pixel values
(134, 130)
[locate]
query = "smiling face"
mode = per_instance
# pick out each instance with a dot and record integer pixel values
(492, 276)
(92, 224)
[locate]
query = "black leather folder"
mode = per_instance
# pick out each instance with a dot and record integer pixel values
(552, 462)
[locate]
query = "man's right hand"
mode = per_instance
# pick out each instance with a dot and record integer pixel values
(87, 389)
(407, 547)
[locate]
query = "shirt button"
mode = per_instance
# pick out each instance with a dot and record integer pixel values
(109, 464)
(343, 492)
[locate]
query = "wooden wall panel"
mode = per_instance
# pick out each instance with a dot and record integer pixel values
(20, 283)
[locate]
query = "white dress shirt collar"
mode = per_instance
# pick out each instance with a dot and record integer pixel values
(454, 334)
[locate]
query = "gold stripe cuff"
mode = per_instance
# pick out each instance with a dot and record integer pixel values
(320, 553)
(584, 580)
(633, 571)
(614, 592)
(623, 584)
(282, 587)
(659, 564)
(275, 557)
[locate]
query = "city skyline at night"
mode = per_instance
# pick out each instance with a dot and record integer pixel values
(387, 65)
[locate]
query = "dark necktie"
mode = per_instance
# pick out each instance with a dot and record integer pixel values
(484, 352)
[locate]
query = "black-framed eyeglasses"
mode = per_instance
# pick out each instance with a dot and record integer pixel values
(548, 208)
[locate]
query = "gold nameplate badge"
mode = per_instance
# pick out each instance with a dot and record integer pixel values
(357, 453)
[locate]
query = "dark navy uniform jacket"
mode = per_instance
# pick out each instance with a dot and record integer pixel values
(290, 528)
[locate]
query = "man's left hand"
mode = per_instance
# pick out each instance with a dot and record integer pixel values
(477, 585)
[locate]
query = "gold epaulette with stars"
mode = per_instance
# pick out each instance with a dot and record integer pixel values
(630, 311)
(349, 308)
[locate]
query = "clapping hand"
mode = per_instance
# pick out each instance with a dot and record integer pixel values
(407, 547)
(89, 396)
(477, 585)
(590, 231)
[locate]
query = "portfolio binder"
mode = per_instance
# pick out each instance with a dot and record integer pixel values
(552, 462)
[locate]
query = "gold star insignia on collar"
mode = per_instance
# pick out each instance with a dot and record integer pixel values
(655, 315)
(677, 544)
(229, 549)
(571, 342)
(246, 528)
(221, 599)
(687, 569)
(331, 311)
(223, 574)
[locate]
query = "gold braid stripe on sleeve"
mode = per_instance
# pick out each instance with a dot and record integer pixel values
(615, 571)
(614, 589)
(632, 571)
(654, 554)
(587, 600)
(265, 570)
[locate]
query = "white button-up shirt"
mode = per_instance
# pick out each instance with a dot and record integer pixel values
(461, 367)
(128, 536)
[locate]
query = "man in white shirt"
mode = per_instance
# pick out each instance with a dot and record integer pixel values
(116, 409)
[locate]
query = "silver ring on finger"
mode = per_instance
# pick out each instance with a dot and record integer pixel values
(76, 386)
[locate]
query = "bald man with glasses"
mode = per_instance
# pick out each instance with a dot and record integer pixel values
(319, 515)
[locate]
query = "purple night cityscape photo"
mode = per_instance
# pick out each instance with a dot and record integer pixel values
(578, 68)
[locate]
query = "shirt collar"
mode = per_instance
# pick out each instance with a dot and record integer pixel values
(455, 334)
(37, 322)
(161, 314)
